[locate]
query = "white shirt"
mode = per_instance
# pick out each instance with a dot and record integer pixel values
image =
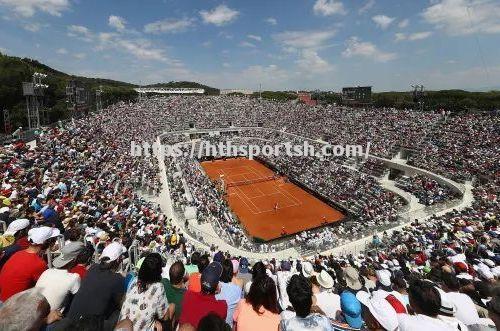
(421, 323)
(56, 284)
(329, 303)
(282, 279)
(453, 322)
(466, 309)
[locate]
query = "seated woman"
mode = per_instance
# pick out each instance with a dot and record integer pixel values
(146, 302)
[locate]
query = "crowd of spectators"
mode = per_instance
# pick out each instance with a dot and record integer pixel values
(427, 190)
(74, 209)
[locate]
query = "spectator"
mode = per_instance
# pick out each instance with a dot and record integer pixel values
(283, 276)
(146, 302)
(425, 302)
(229, 292)
(57, 283)
(18, 230)
(25, 311)
(259, 310)
(349, 317)
(377, 312)
(213, 322)
(465, 309)
(193, 266)
(175, 286)
(352, 279)
(194, 282)
(101, 291)
(82, 262)
(326, 300)
(244, 273)
(196, 305)
(494, 311)
(24, 268)
(300, 293)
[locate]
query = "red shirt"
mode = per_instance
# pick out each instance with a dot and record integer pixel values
(23, 242)
(195, 306)
(79, 269)
(194, 283)
(20, 273)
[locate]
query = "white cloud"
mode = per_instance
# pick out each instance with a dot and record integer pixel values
(226, 65)
(328, 7)
(117, 22)
(33, 27)
(356, 47)
(254, 37)
(271, 21)
(28, 8)
(62, 51)
(413, 36)
(80, 32)
(270, 75)
(207, 43)
(383, 21)
(225, 34)
(141, 49)
(304, 39)
(400, 36)
(366, 7)
(462, 17)
(247, 44)
(310, 62)
(219, 16)
(80, 56)
(404, 23)
(169, 25)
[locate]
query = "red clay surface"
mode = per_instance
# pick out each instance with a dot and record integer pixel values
(254, 203)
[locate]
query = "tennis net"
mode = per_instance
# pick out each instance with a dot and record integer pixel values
(251, 181)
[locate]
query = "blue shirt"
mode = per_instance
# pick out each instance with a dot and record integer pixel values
(231, 293)
(313, 322)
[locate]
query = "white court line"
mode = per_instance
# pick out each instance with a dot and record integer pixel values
(243, 200)
(238, 192)
(250, 200)
(284, 192)
(254, 187)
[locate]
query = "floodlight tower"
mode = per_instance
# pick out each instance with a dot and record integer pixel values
(98, 100)
(418, 95)
(34, 92)
(7, 122)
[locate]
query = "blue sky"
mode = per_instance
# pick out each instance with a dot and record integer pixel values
(282, 44)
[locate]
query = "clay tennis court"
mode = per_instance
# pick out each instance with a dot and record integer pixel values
(253, 195)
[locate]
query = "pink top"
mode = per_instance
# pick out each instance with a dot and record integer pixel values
(247, 319)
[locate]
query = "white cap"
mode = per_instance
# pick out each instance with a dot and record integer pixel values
(17, 225)
(381, 310)
(42, 234)
(307, 269)
(113, 251)
(485, 272)
(384, 277)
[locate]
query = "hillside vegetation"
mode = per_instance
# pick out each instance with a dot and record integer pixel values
(15, 70)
